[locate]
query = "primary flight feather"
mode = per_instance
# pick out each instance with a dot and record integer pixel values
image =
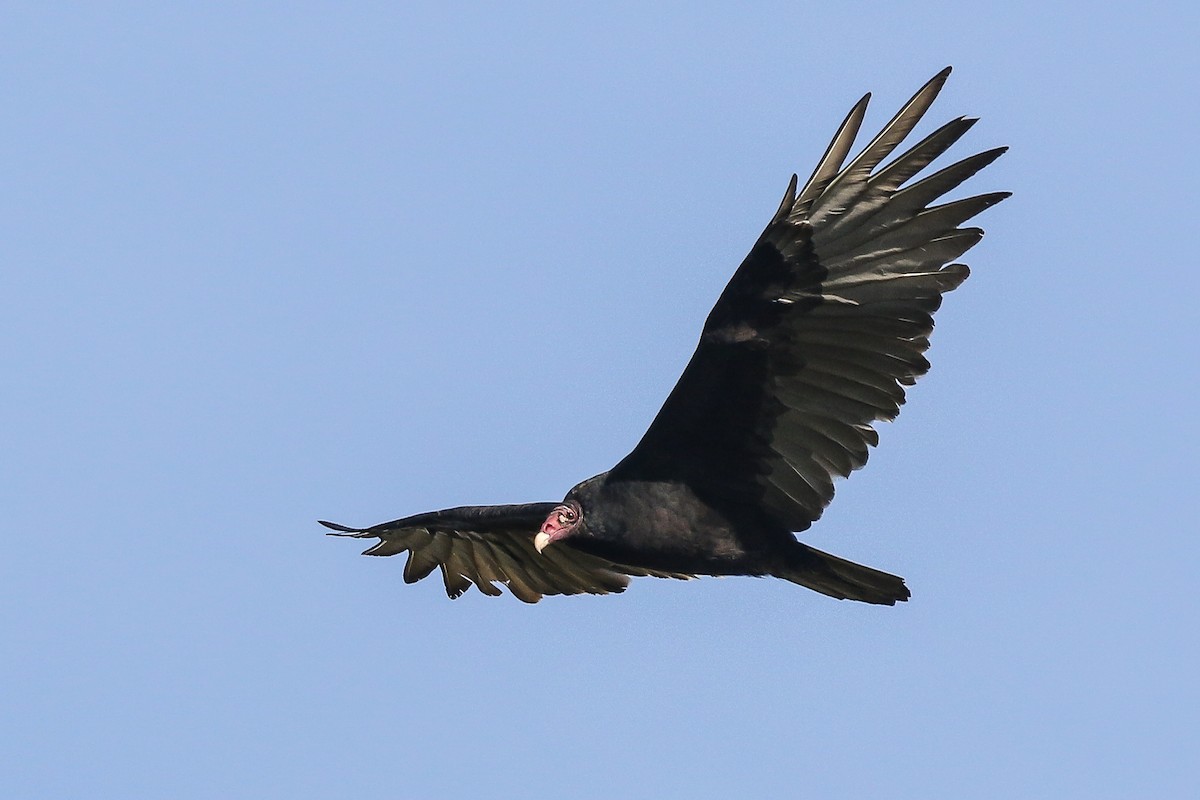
(811, 343)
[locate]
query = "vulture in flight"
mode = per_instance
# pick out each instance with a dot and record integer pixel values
(811, 343)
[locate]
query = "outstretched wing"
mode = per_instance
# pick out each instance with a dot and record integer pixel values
(822, 325)
(485, 545)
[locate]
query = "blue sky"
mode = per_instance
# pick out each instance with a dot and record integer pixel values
(269, 263)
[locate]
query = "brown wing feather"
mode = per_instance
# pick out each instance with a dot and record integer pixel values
(486, 545)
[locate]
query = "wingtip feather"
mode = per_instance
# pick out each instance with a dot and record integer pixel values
(788, 201)
(340, 530)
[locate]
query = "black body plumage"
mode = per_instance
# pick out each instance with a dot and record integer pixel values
(812, 342)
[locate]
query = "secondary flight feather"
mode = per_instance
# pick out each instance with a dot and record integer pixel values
(811, 343)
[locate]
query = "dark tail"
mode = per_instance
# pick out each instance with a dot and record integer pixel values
(840, 578)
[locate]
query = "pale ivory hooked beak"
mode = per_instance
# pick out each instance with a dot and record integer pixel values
(541, 540)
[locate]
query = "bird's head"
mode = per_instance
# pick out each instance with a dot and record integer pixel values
(561, 522)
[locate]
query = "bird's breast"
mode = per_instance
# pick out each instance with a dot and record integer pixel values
(663, 525)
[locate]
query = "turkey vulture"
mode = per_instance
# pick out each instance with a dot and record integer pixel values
(813, 340)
